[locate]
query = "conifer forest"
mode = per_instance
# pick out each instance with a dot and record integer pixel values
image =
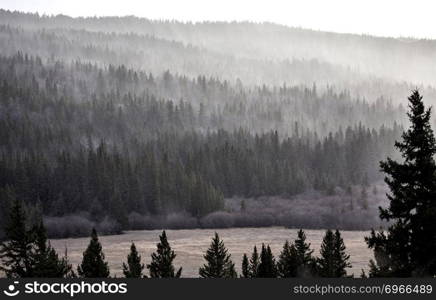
(114, 124)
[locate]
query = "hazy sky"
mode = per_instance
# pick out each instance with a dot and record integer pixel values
(408, 18)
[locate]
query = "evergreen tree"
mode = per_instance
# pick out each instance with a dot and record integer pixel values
(161, 265)
(326, 264)
(333, 261)
(245, 267)
(15, 251)
(267, 267)
(341, 257)
(408, 246)
(306, 262)
(93, 264)
(134, 267)
(46, 262)
(219, 263)
(253, 269)
(287, 266)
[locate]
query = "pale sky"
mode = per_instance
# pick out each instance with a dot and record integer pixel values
(406, 18)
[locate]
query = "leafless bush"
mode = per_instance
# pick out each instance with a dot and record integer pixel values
(180, 221)
(77, 226)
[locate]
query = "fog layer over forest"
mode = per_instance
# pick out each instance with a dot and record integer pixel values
(127, 123)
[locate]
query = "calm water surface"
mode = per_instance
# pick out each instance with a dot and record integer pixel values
(191, 244)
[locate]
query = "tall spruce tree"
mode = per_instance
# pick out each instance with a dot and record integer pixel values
(254, 263)
(333, 261)
(15, 251)
(408, 246)
(267, 266)
(326, 263)
(245, 267)
(93, 264)
(341, 257)
(306, 262)
(46, 262)
(134, 267)
(161, 265)
(250, 268)
(219, 263)
(287, 266)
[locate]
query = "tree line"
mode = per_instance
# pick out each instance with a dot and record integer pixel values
(189, 173)
(27, 253)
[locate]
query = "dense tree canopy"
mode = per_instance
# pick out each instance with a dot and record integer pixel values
(81, 138)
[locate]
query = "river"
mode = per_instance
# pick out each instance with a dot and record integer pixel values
(190, 246)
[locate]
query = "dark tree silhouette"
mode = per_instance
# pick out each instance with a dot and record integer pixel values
(287, 265)
(134, 267)
(254, 263)
(46, 262)
(245, 268)
(267, 266)
(16, 250)
(333, 261)
(161, 265)
(93, 264)
(408, 247)
(306, 262)
(219, 263)
(250, 268)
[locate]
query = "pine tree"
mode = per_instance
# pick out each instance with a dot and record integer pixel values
(326, 264)
(333, 261)
(250, 267)
(93, 264)
(408, 246)
(245, 267)
(254, 263)
(161, 265)
(219, 263)
(267, 267)
(46, 262)
(15, 251)
(341, 257)
(306, 262)
(134, 267)
(287, 266)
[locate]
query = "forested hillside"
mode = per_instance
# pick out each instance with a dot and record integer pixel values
(263, 41)
(257, 54)
(118, 119)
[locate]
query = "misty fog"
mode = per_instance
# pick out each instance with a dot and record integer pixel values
(124, 123)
